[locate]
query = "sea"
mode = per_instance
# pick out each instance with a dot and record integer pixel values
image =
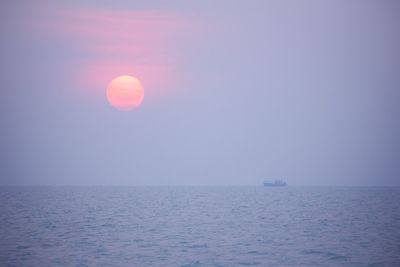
(199, 226)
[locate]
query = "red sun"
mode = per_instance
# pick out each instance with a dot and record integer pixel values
(125, 93)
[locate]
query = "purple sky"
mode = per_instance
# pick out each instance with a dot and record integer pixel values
(306, 91)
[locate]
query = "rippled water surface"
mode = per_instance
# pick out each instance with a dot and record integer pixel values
(199, 226)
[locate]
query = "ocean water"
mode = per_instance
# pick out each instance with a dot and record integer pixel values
(199, 226)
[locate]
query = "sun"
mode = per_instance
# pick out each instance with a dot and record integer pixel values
(125, 93)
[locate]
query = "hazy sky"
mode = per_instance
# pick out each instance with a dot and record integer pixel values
(307, 91)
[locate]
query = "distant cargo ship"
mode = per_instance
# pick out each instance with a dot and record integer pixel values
(275, 183)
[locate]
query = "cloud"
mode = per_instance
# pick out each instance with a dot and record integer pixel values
(142, 43)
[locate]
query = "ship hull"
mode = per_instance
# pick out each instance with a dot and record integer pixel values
(274, 185)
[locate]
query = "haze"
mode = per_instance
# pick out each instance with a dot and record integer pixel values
(305, 91)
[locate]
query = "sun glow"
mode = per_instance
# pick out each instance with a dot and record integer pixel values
(125, 93)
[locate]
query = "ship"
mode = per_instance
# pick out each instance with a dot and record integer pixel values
(275, 183)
